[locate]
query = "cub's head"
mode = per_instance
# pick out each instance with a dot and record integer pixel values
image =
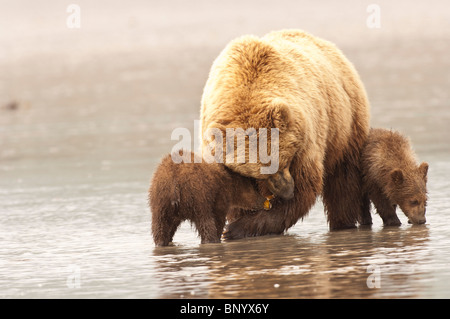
(248, 197)
(410, 192)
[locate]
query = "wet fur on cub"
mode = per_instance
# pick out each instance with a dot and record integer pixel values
(199, 192)
(392, 177)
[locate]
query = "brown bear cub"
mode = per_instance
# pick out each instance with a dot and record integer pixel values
(392, 177)
(199, 192)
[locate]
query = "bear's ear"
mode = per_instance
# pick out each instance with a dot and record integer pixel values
(281, 115)
(215, 125)
(397, 176)
(423, 170)
(214, 129)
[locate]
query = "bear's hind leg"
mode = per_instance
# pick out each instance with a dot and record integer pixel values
(365, 218)
(220, 225)
(208, 228)
(342, 196)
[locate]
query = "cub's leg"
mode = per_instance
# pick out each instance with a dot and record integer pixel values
(384, 208)
(164, 228)
(207, 226)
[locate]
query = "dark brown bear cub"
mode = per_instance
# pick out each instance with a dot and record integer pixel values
(391, 177)
(199, 192)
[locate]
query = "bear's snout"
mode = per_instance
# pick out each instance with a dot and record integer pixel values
(289, 194)
(417, 218)
(417, 221)
(422, 220)
(282, 184)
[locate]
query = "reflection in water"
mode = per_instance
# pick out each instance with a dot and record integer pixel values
(335, 266)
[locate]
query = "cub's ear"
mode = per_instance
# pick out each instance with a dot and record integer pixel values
(423, 169)
(397, 176)
(281, 115)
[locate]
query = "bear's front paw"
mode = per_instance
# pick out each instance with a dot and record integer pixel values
(393, 221)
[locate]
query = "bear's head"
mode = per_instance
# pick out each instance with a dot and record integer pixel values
(282, 184)
(247, 196)
(410, 192)
(256, 141)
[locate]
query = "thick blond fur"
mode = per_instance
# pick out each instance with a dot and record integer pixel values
(305, 87)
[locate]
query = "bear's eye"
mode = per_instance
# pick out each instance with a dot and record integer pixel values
(414, 202)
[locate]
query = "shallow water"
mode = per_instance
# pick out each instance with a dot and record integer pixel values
(95, 110)
(100, 235)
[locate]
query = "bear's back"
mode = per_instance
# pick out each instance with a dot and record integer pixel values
(254, 78)
(385, 151)
(193, 171)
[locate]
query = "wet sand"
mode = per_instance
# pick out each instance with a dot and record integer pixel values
(86, 114)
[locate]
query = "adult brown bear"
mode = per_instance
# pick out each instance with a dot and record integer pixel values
(305, 87)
